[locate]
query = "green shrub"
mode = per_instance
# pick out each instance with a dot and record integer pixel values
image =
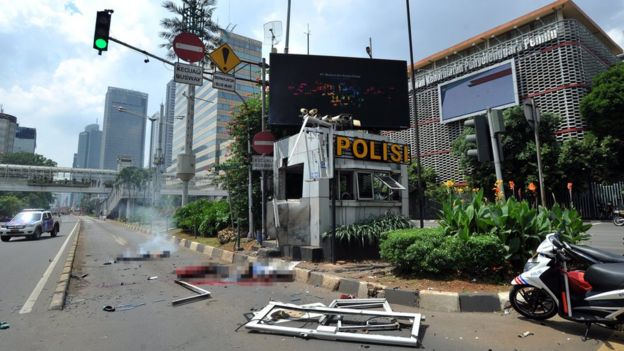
(203, 216)
(481, 255)
(408, 249)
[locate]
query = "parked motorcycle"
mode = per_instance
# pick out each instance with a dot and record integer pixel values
(618, 217)
(547, 287)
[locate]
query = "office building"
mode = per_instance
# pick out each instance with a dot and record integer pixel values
(214, 108)
(25, 140)
(167, 136)
(8, 125)
(555, 52)
(89, 147)
(123, 132)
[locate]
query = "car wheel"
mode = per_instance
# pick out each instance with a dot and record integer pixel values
(37, 234)
(54, 231)
(5, 238)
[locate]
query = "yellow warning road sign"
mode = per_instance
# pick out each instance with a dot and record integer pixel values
(225, 58)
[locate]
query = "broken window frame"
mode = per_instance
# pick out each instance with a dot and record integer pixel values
(326, 332)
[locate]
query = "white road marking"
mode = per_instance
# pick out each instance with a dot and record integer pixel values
(30, 302)
(119, 240)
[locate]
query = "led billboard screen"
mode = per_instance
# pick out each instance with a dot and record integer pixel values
(470, 95)
(372, 91)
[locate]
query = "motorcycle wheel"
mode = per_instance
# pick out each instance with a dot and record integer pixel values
(618, 220)
(532, 302)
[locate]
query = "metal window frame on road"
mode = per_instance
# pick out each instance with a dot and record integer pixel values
(325, 332)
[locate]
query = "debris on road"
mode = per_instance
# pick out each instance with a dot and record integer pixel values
(154, 277)
(4, 325)
(108, 308)
(202, 294)
(344, 319)
(525, 334)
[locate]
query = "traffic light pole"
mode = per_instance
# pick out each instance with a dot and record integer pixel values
(495, 155)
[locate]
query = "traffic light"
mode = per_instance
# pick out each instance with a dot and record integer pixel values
(481, 138)
(102, 27)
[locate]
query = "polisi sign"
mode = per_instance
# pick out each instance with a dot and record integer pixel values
(372, 150)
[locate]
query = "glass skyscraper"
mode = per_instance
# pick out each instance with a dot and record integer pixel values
(89, 147)
(124, 127)
(214, 108)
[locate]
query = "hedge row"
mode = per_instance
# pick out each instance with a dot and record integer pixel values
(430, 251)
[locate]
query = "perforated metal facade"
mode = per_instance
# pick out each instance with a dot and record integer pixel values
(555, 60)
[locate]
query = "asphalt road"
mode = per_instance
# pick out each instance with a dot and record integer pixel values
(211, 324)
(605, 235)
(23, 263)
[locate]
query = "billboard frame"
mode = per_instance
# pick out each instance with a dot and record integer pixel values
(516, 102)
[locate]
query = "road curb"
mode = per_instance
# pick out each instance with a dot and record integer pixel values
(60, 293)
(431, 300)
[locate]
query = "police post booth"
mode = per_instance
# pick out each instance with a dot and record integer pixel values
(337, 104)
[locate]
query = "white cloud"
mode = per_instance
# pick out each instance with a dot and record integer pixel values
(617, 34)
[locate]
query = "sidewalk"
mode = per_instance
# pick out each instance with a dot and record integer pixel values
(359, 281)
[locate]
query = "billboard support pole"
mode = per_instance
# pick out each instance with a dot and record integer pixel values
(497, 163)
(262, 173)
(287, 28)
(421, 195)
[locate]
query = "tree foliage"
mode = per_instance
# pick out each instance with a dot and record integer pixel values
(200, 23)
(603, 107)
(26, 158)
(10, 205)
(520, 162)
(234, 176)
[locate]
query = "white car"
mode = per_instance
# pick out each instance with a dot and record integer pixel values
(30, 223)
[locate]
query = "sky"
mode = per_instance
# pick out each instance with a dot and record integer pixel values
(53, 80)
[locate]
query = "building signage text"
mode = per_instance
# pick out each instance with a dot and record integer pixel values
(483, 58)
(372, 150)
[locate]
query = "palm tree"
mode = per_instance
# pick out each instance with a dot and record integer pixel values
(195, 16)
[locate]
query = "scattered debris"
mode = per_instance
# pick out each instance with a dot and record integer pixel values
(4, 325)
(79, 277)
(108, 263)
(334, 324)
(129, 306)
(108, 308)
(202, 294)
(154, 277)
(525, 334)
(346, 296)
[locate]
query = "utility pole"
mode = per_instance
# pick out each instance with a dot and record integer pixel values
(532, 115)
(421, 199)
(287, 28)
(308, 38)
(262, 173)
(495, 155)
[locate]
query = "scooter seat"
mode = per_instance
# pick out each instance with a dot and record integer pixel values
(601, 256)
(605, 276)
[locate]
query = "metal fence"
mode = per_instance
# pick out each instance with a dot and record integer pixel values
(599, 201)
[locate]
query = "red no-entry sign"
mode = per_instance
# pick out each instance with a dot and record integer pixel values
(188, 47)
(262, 143)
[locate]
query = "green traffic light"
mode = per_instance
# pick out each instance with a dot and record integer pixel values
(101, 43)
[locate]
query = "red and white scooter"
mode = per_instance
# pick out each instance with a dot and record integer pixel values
(547, 287)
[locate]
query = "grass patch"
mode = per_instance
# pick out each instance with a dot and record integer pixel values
(210, 241)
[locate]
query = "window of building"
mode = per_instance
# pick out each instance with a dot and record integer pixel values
(346, 186)
(365, 186)
(377, 186)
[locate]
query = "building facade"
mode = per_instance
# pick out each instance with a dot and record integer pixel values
(214, 108)
(8, 125)
(167, 136)
(25, 140)
(556, 50)
(89, 147)
(123, 132)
